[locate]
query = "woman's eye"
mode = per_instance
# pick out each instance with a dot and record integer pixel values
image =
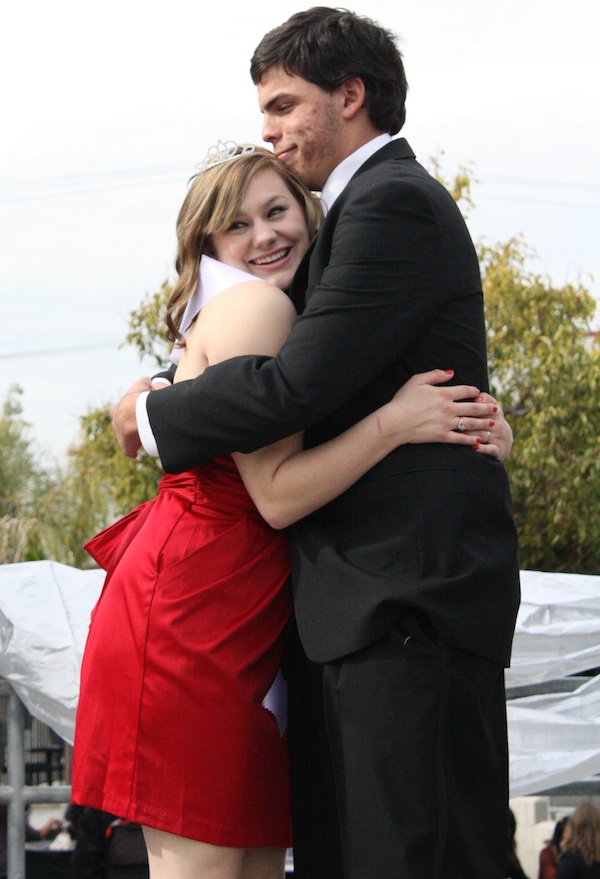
(238, 224)
(278, 209)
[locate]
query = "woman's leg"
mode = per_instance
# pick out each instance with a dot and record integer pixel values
(264, 863)
(174, 857)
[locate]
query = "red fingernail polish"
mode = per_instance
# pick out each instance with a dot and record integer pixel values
(478, 440)
(492, 423)
(476, 448)
(495, 409)
(449, 371)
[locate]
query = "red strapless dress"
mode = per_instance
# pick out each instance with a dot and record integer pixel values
(185, 644)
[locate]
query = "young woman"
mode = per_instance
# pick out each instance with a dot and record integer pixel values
(181, 721)
(580, 845)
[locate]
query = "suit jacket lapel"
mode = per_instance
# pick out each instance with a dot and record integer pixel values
(297, 291)
(396, 149)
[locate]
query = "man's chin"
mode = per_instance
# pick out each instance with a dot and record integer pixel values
(292, 163)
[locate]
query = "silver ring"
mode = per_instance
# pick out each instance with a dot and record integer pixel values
(489, 436)
(461, 425)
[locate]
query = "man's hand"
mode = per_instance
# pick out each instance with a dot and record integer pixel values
(124, 422)
(50, 828)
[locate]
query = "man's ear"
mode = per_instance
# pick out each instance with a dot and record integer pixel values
(353, 94)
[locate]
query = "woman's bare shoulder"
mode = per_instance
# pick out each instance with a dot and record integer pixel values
(253, 317)
(249, 296)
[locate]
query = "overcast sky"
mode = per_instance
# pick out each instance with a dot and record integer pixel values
(106, 108)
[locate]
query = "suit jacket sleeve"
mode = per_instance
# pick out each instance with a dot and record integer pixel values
(381, 265)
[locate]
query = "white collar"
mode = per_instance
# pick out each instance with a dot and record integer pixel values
(342, 173)
(213, 278)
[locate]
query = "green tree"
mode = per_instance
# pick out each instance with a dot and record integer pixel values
(22, 480)
(460, 186)
(50, 514)
(147, 326)
(547, 375)
(17, 462)
(97, 485)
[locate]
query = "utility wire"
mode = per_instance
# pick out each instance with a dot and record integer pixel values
(77, 184)
(483, 196)
(532, 181)
(65, 349)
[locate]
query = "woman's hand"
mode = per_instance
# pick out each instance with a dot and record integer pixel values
(497, 440)
(433, 414)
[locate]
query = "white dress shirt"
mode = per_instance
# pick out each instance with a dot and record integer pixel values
(342, 173)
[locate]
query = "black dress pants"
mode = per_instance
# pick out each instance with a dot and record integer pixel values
(399, 762)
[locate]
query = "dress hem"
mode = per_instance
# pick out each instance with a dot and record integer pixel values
(171, 822)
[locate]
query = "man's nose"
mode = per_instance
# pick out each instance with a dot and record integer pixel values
(270, 131)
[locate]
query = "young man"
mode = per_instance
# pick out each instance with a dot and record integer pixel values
(406, 587)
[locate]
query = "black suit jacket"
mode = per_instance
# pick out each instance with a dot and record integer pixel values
(390, 288)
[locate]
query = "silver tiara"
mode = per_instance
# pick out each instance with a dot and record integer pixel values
(224, 151)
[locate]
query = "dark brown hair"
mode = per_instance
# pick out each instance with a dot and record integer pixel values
(327, 47)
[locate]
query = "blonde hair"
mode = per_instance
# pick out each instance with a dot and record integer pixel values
(211, 205)
(583, 832)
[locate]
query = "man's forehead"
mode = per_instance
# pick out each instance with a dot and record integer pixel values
(276, 84)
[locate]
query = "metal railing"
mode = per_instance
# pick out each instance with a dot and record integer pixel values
(16, 794)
